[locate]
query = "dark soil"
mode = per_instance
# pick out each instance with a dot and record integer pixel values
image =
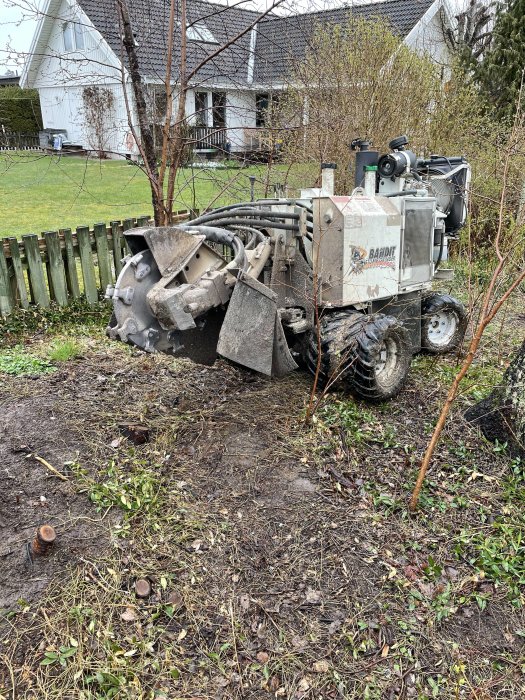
(32, 495)
(298, 570)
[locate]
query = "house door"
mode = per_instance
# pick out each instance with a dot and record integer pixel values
(219, 109)
(201, 109)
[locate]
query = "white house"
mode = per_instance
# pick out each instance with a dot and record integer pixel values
(77, 64)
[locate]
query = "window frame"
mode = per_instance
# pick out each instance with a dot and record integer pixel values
(72, 36)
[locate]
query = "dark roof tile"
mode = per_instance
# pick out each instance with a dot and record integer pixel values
(277, 37)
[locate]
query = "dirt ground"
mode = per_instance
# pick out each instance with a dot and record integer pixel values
(281, 558)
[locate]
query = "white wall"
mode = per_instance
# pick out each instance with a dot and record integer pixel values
(64, 108)
(427, 36)
(240, 115)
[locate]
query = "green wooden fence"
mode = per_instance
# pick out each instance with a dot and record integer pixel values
(64, 265)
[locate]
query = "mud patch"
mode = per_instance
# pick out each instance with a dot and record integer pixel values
(33, 495)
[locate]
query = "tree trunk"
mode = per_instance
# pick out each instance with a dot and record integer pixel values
(146, 132)
(501, 416)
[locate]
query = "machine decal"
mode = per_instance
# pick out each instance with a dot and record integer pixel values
(376, 258)
(357, 259)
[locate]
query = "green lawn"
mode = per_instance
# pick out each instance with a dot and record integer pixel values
(41, 193)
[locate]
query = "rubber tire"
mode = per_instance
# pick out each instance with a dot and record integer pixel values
(439, 303)
(358, 338)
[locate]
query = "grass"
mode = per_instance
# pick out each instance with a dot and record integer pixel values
(64, 350)
(17, 362)
(41, 192)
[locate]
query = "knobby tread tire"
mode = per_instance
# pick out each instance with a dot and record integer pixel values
(436, 303)
(350, 344)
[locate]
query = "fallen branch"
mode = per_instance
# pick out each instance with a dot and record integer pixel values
(50, 467)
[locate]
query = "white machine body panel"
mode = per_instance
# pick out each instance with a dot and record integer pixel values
(357, 248)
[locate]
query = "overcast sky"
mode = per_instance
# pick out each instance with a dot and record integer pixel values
(18, 22)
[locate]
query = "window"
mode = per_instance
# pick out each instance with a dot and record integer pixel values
(219, 109)
(201, 108)
(198, 31)
(261, 108)
(265, 104)
(79, 36)
(67, 33)
(73, 36)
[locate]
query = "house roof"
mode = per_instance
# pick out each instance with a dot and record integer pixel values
(245, 62)
(281, 40)
(150, 19)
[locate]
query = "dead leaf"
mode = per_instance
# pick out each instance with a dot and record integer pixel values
(128, 615)
(321, 666)
(262, 657)
(303, 685)
(181, 635)
(273, 685)
(313, 596)
(299, 643)
(244, 601)
(427, 589)
(175, 599)
(384, 651)
(334, 626)
(220, 681)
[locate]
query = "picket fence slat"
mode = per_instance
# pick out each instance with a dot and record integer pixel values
(6, 297)
(104, 264)
(56, 268)
(18, 270)
(71, 264)
(86, 261)
(64, 265)
(117, 247)
(39, 292)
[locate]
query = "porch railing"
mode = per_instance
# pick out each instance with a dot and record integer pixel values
(207, 137)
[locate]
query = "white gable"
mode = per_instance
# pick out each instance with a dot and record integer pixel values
(68, 50)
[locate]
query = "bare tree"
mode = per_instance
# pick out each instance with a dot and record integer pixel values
(472, 36)
(507, 276)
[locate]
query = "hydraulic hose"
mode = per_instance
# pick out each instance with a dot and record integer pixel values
(223, 237)
(251, 205)
(255, 223)
(256, 236)
(441, 248)
(245, 212)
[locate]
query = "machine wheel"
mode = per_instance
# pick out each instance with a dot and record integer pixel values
(368, 355)
(443, 324)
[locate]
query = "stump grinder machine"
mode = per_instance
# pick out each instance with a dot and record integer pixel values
(338, 284)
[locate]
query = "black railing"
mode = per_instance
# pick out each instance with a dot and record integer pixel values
(204, 138)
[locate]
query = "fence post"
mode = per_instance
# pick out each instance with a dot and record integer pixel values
(6, 299)
(36, 272)
(56, 269)
(71, 264)
(86, 260)
(16, 261)
(104, 265)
